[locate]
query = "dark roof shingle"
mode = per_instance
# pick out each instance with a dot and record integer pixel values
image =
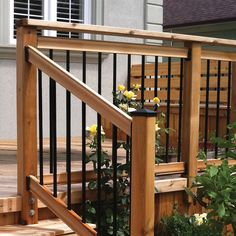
(192, 12)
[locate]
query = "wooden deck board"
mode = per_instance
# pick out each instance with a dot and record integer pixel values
(8, 165)
(43, 228)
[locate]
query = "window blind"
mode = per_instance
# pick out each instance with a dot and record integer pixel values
(31, 9)
(70, 11)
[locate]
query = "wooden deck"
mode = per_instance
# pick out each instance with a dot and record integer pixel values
(43, 228)
(8, 164)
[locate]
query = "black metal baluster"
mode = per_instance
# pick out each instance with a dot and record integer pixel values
(114, 152)
(218, 105)
(84, 146)
(228, 96)
(40, 104)
(99, 148)
(156, 77)
(68, 136)
(53, 131)
(207, 106)
(168, 108)
(128, 88)
(142, 81)
(180, 107)
(50, 118)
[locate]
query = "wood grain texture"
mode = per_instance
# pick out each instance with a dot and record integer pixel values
(142, 176)
(124, 32)
(233, 95)
(191, 111)
(60, 209)
(51, 227)
(26, 121)
(111, 47)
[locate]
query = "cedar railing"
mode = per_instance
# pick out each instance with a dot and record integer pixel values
(143, 168)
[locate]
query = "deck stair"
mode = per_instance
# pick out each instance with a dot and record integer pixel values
(43, 228)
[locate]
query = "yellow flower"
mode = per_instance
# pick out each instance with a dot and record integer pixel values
(129, 94)
(156, 100)
(121, 87)
(136, 86)
(157, 128)
(92, 130)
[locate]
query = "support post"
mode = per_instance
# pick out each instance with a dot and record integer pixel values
(26, 123)
(142, 173)
(233, 94)
(191, 111)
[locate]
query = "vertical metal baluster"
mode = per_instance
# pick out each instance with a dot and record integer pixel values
(53, 131)
(50, 117)
(142, 81)
(128, 88)
(168, 108)
(218, 105)
(99, 148)
(207, 106)
(84, 146)
(40, 104)
(180, 107)
(68, 136)
(228, 95)
(114, 152)
(156, 77)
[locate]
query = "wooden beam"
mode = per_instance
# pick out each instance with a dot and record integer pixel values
(142, 179)
(123, 32)
(111, 47)
(191, 111)
(76, 177)
(26, 122)
(218, 55)
(169, 168)
(201, 166)
(81, 90)
(170, 185)
(59, 209)
(233, 94)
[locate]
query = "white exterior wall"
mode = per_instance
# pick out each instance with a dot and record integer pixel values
(122, 13)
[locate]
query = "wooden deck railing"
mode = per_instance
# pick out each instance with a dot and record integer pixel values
(143, 169)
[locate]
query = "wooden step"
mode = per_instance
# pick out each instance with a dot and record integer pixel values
(43, 228)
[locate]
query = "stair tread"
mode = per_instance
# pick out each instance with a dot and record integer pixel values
(43, 228)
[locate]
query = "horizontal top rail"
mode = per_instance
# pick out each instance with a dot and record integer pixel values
(123, 32)
(80, 90)
(110, 47)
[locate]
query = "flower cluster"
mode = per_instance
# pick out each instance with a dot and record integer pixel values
(200, 218)
(126, 99)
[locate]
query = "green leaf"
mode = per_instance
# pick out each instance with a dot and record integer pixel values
(221, 210)
(213, 170)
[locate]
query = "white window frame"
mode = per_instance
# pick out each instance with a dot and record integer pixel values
(7, 18)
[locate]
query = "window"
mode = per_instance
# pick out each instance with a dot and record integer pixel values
(27, 9)
(78, 11)
(70, 11)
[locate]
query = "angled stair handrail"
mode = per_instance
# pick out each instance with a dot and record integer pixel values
(80, 90)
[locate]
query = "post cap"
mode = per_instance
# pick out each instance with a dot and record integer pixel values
(144, 112)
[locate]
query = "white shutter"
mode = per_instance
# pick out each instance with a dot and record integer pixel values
(31, 9)
(70, 11)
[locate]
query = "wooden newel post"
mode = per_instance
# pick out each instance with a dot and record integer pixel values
(233, 94)
(191, 111)
(142, 173)
(26, 123)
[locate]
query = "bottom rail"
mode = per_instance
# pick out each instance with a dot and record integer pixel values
(59, 209)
